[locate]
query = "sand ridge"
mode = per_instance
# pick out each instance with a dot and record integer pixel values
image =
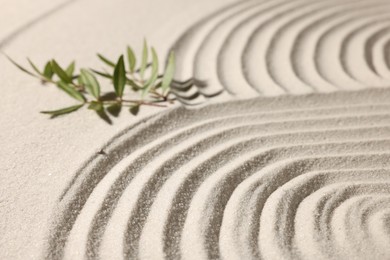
(280, 150)
(240, 180)
(231, 185)
(270, 48)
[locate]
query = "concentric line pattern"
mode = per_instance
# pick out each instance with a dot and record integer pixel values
(276, 47)
(274, 178)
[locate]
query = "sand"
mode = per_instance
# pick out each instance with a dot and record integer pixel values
(279, 151)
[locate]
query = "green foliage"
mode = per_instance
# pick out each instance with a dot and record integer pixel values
(70, 69)
(21, 67)
(63, 111)
(48, 71)
(95, 105)
(84, 87)
(34, 67)
(154, 74)
(131, 58)
(144, 61)
(71, 91)
(90, 82)
(60, 72)
(169, 73)
(106, 61)
(120, 77)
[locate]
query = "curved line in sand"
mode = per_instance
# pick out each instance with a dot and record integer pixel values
(379, 54)
(270, 48)
(332, 201)
(194, 187)
(216, 192)
(369, 50)
(238, 180)
(205, 139)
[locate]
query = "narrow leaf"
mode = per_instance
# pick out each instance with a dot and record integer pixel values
(48, 71)
(169, 73)
(144, 61)
(97, 106)
(80, 80)
(60, 72)
(63, 111)
(154, 74)
(20, 67)
(90, 82)
(106, 61)
(119, 77)
(134, 110)
(35, 68)
(131, 58)
(103, 74)
(70, 91)
(70, 69)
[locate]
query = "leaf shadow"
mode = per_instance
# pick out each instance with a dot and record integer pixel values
(103, 115)
(114, 110)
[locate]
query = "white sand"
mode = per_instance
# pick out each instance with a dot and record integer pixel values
(255, 171)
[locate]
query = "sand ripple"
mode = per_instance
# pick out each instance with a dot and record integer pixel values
(270, 178)
(278, 47)
(292, 177)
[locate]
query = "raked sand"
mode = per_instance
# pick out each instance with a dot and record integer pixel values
(281, 149)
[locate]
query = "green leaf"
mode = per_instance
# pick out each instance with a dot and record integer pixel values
(103, 74)
(154, 74)
(70, 69)
(131, 58)
(35, 68)
(106, 61)
(60, 72)
(169, 73)
(120, 77)
(48, 71)
(144, 61)
(134, 110)
(80, 80)
(68, 89)
(90, 82)
(97, 106)
(20, 67)
(63, 111)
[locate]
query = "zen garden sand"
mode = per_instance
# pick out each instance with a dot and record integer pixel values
(284, 153)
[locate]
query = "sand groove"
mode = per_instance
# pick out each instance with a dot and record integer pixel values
(265, 175)
(270, 48)
(244, 180)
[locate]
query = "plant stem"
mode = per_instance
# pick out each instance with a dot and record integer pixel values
(142, 102)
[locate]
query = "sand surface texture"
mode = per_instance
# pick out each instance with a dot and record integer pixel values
(279, 150)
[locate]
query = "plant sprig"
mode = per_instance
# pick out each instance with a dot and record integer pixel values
(84, 86)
